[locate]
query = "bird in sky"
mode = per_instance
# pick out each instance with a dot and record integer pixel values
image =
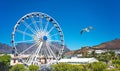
(86, 29)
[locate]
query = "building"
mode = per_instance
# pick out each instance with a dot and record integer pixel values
(76, 60)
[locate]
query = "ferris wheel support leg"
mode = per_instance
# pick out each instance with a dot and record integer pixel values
(34, 56)
(52, 53)
(28, 48)
(49, 51)
(37, 52)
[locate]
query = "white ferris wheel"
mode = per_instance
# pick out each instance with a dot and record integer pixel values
(43, 39)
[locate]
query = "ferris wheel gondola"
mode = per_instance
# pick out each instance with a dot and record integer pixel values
(44, 38)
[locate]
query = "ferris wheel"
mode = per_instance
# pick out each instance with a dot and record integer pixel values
(41, 39)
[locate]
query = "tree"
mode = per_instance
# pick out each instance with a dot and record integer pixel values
(33, 68)
(18, 67)
(105, 57)
(1, 53)
(93, 54)
(5, 62)
(98, 66)
(76, 68)
(113, 55)
(116, 64)
(67, 67)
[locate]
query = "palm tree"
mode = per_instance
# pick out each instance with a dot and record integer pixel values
(113, 55)
(93, 54)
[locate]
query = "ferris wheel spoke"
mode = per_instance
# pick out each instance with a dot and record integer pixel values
(31, 55)
(48, 51)
(38, 50)
(51, 29)
(34, 23)
(35, 55)
(54, 34)
(55, 47)
(55, 40)
(41, 26)
(28, 48)
(45, 52)
(59, 50)
(46, 26)
(41, 31)
(24, 41)
(52, 52)
(29, 27)
(24, 33)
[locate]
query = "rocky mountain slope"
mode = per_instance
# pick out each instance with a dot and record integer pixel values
(114, 44)
(4, 48)
(109, 45)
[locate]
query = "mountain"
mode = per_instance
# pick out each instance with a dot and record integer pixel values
(114, 44)
(79, 51)
(4, 48)
(109, 45)
(22, 46)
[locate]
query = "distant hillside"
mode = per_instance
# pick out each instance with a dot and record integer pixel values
(114, 44)
(79, 51)
(22, 46)
(4, 48)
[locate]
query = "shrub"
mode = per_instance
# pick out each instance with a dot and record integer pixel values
(98, 66)
(18, 67)
(67, 67)
(5, 62)
(114, 69)
(116, 63)
(33, 68)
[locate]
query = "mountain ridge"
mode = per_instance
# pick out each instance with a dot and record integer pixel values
(109, 45)
(5, 48)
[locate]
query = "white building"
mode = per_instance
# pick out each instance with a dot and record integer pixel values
(79, 60)
(100, 51)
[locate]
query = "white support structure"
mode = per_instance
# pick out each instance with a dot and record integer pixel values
(40, 33)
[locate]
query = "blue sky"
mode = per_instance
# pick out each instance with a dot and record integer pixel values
(72, 15)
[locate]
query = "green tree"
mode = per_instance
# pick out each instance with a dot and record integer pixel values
(113, 55)
(67, 67)
(93, 54)
(33, 68)
(1, 53)
(5, 62)
(76, 68)
(116, 64)
(105, 57)
(86, 55)
(97, 66)
(113, 69)
(18, 67)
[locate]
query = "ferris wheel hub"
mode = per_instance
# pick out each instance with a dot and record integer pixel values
(45, 38)
(40, 31)
(41, 36)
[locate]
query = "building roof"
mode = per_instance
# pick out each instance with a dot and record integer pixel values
(79, 60)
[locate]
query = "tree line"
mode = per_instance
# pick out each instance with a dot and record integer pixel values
(107, 59)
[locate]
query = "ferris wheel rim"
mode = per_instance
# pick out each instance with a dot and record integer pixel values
(17, 25)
